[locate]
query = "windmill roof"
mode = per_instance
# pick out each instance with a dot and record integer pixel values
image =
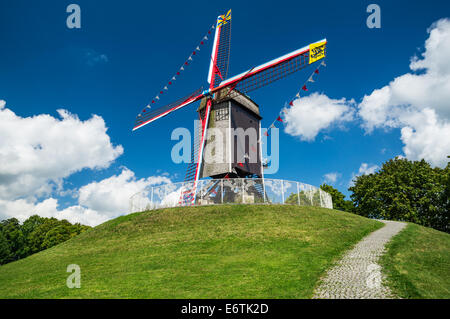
(240, 98)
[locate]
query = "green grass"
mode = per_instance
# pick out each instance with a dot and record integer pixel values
(237, 251)
(417, 263)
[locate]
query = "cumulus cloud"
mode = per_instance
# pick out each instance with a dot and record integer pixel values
(417, 102)
(364, 169)
(24, 208)
(316, 112)
(425, 136)
(331, 177)
(38, 152)
(97, 201)
(110, 197)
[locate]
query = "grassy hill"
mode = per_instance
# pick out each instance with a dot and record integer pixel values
(236, 251)
(417, 263)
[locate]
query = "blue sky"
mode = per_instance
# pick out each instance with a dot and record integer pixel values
(126, 51)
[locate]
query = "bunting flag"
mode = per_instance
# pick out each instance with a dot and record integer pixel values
(182, 68)
(297, 96)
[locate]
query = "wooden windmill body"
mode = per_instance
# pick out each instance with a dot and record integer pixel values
(238, 121)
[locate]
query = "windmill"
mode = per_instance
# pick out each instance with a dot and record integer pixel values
(226, 101)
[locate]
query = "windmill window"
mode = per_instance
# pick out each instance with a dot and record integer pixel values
(222, 114)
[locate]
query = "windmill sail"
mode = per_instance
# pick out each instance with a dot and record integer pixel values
(217, 72)
(148, 117)
(220, 57)
(271, 71)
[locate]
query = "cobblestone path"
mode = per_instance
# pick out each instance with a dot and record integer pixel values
(358, 275)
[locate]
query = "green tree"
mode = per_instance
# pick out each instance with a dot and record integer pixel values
(35, 234)
(404, 190)
(28, 227)
(56, 235)
(13, 233)
(5, 251)
(339, 201)
(307, 198)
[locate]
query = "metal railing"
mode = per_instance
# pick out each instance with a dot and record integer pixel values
(230, 191)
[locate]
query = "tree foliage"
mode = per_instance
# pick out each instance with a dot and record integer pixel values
(312, 198)
(339, 201)
(405, 190)
(307, 198)
(35, 234)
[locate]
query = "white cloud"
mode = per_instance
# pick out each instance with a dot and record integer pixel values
(97, 201)
(331, 177)
(364, 169)
(93, 57)
(426, 137)
(418, 103)
(22, 209)
(38, 152)
(314, 113)
(111, 196)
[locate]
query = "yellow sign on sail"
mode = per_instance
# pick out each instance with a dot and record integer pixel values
(316, 51)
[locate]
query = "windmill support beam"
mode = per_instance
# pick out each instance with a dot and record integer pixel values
(205, 124)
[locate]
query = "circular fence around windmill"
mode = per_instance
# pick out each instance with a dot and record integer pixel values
(230, 191)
